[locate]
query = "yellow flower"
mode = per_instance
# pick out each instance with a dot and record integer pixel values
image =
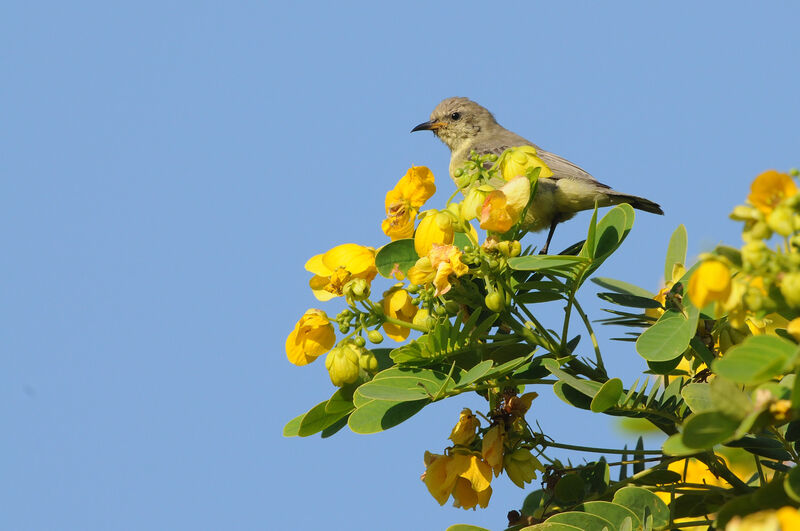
(433, 229)
(404, 201)
(492, 448)
(711, 282)
(769, 189)
(335, 268)
(780, 409)
(466, 477)
(521, 466)
(312, 337)
(502, 208)
(438, 476)
(789, 518)
(464, 431)
(767, 324)
(517, 161)
(678, 270)
(794, 328)
(398, 304)
(441, 262)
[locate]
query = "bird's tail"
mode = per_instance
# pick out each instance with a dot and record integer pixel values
(639, 203)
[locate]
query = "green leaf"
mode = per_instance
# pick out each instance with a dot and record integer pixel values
(694, 505)
(631, 301)
(534, 501)
(569, 489)
(400, 253)
(669, 336)
(335, 427)
(431, 381)
(728, 399)
(674, 446)
(378, 415)
(554, 264)
(676, 251)
(551, 526)
(706, 429)
(796, 393)
(475, 373)
(571, 396)
(643, 502)
(763, 446)
(618, 286)
(755, 360)
(587, 249)
(581, 520)
(698, 397)
(659, 477)
(616, 514)
(465, 527)
(608, 396)
(292, 428)
(317, 419)
(664, 367)
(461, 240)
(338, 403)
(534, 297)
(393, 390)
(587, 387)
(791, 484)
(612, 230)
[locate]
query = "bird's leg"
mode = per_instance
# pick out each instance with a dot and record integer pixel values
(550, 235)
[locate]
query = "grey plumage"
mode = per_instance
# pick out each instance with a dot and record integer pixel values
(463, 126)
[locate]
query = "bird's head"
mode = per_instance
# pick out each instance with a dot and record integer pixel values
(457, 120)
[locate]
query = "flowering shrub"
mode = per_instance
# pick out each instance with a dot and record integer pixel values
(720, 340)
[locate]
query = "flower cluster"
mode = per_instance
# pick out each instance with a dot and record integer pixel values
(348, 270)
(756, 287)
(465, 470)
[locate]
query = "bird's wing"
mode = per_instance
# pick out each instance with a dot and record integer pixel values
(562, 168)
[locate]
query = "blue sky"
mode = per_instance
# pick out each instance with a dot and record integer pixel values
(169, 167)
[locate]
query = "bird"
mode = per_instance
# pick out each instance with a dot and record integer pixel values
(464, 126)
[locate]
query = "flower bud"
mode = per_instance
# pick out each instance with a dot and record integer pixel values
(753, 299)
(421, 318)
(757, 231)
(452, 307)
(790, 289)
(495, 301)
(521, 466)
(367, 361)
(472, 204)
(464, 431)
(342, 364)
(745, 213)
(356, 290)
(374, 336)
(781, 220)
(755, 254)
(359, 341)
(463, 180)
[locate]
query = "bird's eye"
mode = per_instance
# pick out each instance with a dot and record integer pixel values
(456, 116)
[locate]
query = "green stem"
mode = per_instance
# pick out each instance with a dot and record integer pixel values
(565, 329)
(599, 450)
(550, 342)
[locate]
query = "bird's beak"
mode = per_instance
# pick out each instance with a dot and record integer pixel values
(428, 126)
